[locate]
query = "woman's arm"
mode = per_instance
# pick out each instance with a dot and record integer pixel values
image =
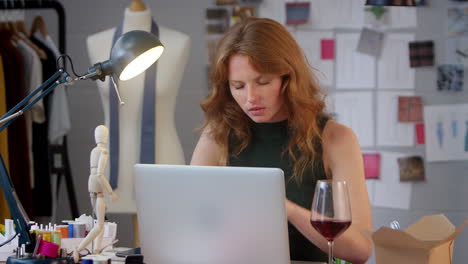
(207, 152)
(343, 158)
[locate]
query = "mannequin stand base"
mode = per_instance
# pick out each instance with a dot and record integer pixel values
(15, 260)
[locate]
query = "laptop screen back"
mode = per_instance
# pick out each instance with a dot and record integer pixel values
(211, 215)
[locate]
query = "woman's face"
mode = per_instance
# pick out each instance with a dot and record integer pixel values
(259, 95)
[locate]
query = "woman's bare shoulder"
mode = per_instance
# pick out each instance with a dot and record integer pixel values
(207, 152)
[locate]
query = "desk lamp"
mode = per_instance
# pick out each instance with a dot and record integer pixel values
(133, 53)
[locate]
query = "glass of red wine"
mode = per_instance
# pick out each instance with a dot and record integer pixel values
(331, 212)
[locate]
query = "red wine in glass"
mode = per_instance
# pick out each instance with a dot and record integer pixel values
(330, 229)
(331, 211)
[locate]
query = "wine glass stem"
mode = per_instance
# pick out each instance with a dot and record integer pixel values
(330, 252)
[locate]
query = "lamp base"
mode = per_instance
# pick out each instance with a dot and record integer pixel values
(15, 260)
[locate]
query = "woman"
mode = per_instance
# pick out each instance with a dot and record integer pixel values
(267, 110)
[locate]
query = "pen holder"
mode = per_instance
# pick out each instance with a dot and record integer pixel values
(15, 260)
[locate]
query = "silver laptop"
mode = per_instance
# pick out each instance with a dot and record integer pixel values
(211, 215)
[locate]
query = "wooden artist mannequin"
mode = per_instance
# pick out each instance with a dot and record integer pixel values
(97, 186)
(171, 64)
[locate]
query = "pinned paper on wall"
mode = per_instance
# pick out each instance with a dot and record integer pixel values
(389, 191)
(446, 129)
(402, 17)
(310, 42)
(411, 168)
(370, 184)
(354, 109)
(328, 49)
(390, 132)
(273, 9)
(354, 70)
(457, 21)
(410, 109)
(370, 42)
(329, 14)
(349, 13)
(297, 13)
(371, 165)
(457, 50)
(421, 53)
(450, 77)
(394, 71)
(420, 138)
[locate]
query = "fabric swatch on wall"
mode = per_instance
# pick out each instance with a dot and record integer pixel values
(297, 13)
(410, 109)
(421, 53)
(371, 165)
(411, 168)
(327, 49)
(419, 131)
(397, 2)
(457, 21)
(450, 77)
(370, 42)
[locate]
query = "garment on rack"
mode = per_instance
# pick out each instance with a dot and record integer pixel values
(33, 78)
(4, 210)
(17, 139)
(42, 187)
(59, 116)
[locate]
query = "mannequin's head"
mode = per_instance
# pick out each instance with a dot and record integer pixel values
(101, 134)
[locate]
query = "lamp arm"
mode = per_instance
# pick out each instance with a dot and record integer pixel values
(17, 211)
(56, 79)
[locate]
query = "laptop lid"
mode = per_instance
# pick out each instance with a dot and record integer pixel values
(211, 215)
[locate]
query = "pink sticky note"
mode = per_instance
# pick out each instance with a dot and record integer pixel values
(328, 49)
(371, 165)
(420, 137)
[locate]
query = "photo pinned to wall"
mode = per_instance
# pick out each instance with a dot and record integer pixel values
(411, 168)
(226, 2)
(446, 129)
(371, 165)
(240, 13)
(450, 77)
(250, 2)
(297, 13)
(421, 53)
(457, 21)
(370, 42)
(216, 20)
(410, 109)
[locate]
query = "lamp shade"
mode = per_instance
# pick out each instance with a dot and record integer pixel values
(134, 52)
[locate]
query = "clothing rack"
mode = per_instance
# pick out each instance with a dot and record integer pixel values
(41, 4)
(55, 149)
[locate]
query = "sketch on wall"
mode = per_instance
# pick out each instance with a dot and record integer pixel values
(446, 130)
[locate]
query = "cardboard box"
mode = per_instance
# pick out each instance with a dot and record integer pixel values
(429, 241)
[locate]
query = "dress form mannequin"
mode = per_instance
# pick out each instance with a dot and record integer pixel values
(97, 186)
(168, 149)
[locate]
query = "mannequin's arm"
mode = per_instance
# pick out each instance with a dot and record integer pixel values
(104, 182)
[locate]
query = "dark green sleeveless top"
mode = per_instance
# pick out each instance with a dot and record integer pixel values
(268, 142)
